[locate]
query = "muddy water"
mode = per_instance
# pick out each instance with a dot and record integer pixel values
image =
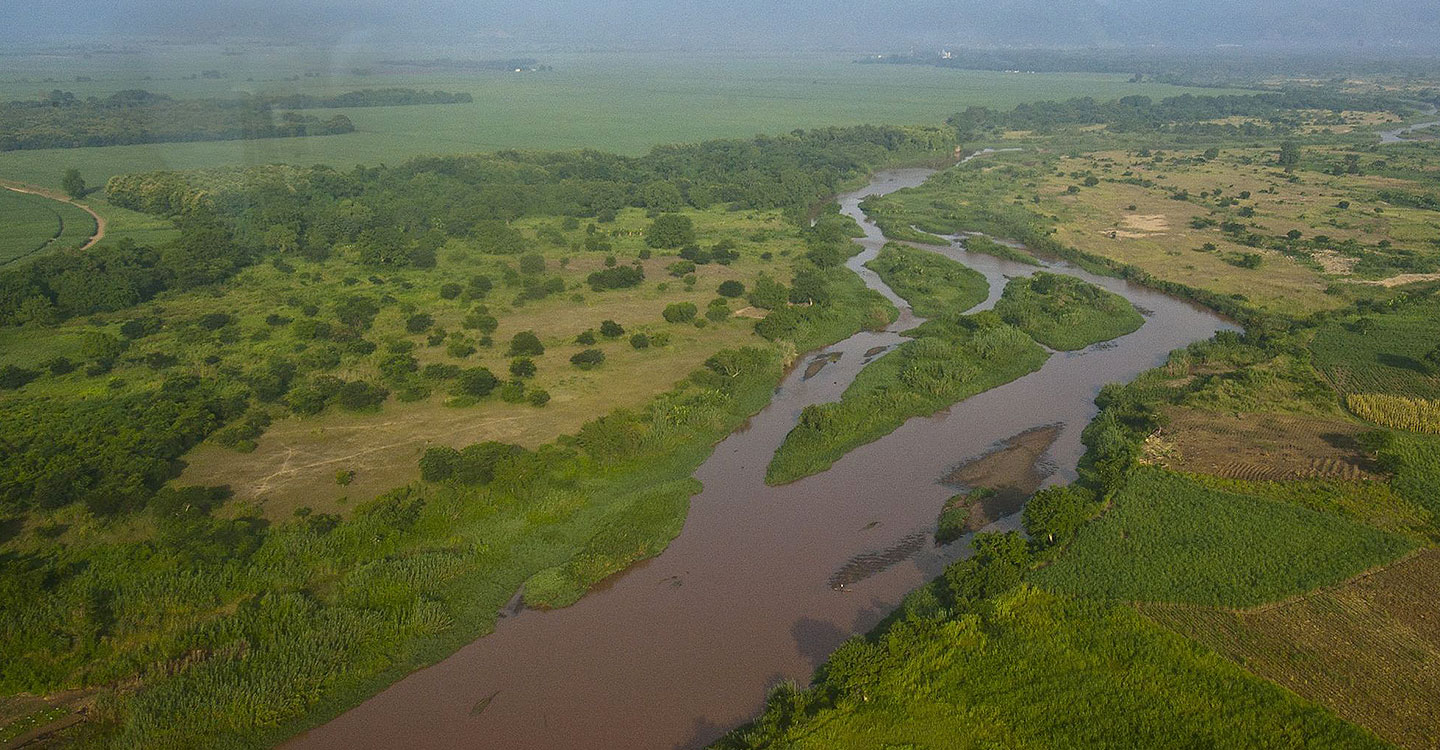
(764, 581)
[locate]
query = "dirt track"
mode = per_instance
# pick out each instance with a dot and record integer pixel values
(52, 195)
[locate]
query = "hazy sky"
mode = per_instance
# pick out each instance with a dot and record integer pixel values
(850, 24)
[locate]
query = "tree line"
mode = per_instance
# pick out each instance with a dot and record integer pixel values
(64, 121)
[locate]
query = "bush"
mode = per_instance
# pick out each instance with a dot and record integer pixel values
(358, 394)
(522, 367)
(680, 312)
(12, 377)
(419, 323)
(730, 288)
(611, 330)
(586, 338)
(538, 397)
(477, 382)
(439, 463)
(513, 392)
(619, 277)
(450, 290)
(526, 343)
(640, 341)
(588, 359)
(718, 311)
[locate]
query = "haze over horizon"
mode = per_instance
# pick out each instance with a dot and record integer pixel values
(1368, 27)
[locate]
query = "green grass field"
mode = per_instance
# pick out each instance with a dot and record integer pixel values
(1038, 670)
(31, 223)
(614, 102)
(1171, 540)
(1382, 353)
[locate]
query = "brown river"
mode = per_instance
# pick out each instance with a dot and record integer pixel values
(764, 582)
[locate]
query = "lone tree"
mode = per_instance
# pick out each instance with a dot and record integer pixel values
(670, 231)
(73, 183)
(1289, 154)
(1432, 360)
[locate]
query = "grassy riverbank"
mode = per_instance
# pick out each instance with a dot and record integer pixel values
(945, 363)
(935, 286)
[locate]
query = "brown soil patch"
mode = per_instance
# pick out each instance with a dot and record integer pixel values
(1146, 223)
(753, 313)
(1335, 263)
(1259, 447)
(1014, 470)
(1368, 649)
(1405, 278)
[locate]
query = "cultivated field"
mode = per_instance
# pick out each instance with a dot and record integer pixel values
(1368, 649)
(31, 223)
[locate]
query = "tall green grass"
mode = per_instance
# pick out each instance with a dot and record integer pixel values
(1036, 670)
(945, 363)
(935, 286)
(1063, 312)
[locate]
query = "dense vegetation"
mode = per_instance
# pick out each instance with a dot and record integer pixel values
(945, 363)
(1027, 668)
(1063, 312)
(64, 121)
(935, 286)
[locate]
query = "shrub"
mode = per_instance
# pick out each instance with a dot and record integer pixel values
(522, 367)
(450, 290)
(439, 463)
(526, 343)
(640, 341)
(730, 288)
(358, 394)
(718, 311)
(586, 338)
(588, 359)
(12, 377)
(768, 293)
(513, 392)
(619, 277)
(419, 323)
(680, 312)
(680, 268)
(611, 330)
(538, 397)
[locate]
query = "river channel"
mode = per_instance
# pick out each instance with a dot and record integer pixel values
(764, 582)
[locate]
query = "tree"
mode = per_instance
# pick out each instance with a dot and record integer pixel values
(1289, 154)
(1054, 514)
(670, 231)
(526, 343)
(611, 330)
(730, 288)
(476, 381)
(640, 341)
(73, 184)
(808, 288)
(419, 323)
